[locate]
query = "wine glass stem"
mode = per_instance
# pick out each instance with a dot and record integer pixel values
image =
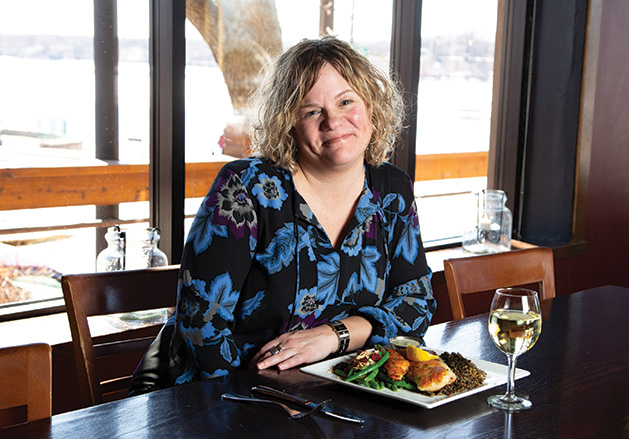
(510, 395)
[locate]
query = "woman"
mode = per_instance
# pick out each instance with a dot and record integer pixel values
(311, 247)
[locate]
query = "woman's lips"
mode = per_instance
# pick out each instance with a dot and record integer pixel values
(336, 139)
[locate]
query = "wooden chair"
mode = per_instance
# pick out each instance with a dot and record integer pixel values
(483, 273)
(104, 370)
(25, 382)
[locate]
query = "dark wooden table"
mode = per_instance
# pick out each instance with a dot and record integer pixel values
(579, 385)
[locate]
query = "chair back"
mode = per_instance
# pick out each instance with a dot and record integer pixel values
(104, 370)
(483, 273)
(25, 382)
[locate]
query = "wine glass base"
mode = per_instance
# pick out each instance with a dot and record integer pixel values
(509, 404)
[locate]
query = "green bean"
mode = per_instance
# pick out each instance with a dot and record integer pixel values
(372, 375)
(375, 384)
(403, 384)
(361, 382)
(384, 377)
(340, 373)
(391, 386)
(384, 357)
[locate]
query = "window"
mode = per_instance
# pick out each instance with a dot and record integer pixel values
(227, 46)
(453, 113)
(68, 129)
(43, 123)
(58, 163)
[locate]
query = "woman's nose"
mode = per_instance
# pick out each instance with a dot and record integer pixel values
(331, 120)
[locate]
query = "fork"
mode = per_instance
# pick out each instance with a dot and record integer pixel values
(293, 413)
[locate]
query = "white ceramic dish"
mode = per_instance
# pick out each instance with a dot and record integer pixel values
(496, 375)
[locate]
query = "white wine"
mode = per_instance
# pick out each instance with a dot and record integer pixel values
(515, 323)
(514, 332)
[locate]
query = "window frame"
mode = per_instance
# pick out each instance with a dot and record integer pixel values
(405, 66)
(505, 162)
(540, 146)
(167, 62)
(510, 113)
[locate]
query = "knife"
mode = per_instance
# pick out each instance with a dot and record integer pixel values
(269, 391)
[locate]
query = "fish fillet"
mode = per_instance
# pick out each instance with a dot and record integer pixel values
(396, 366)
(431, 375)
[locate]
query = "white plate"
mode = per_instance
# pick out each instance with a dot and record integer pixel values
(496, 375)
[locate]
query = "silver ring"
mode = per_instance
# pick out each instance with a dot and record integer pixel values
(275, 350)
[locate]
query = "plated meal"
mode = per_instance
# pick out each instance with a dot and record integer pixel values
(411, 368)
(421, 376)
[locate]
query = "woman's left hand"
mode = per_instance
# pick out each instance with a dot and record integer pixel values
(310, 345)
(297, 347)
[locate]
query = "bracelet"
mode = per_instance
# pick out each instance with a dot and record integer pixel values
(342, 333)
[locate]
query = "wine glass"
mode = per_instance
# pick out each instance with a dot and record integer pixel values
(515, 323)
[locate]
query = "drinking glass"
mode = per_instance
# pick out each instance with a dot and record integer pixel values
(515, 323)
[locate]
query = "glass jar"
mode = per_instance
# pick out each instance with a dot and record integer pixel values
(142, 251)
(131, 249)
(490, 230)
(113, 257)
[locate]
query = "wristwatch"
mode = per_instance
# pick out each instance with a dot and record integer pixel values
(342, 333)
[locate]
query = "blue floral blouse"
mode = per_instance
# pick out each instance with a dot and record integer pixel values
(257, 263)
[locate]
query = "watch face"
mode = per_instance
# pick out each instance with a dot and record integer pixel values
(340, 328)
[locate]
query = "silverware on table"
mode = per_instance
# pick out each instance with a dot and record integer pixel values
(269, 391)
(293, 413)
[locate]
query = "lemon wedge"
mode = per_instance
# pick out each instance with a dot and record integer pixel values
(413, 353)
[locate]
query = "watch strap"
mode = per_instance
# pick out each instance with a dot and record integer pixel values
(342, 333)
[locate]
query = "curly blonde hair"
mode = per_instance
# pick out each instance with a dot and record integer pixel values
(294, 73)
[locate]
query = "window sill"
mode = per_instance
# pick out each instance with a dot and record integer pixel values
(570, 250)
(17, 311)
(54, 329)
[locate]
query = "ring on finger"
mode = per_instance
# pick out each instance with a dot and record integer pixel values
(275, 350)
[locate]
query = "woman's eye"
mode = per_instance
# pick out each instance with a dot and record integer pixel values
(309, 114)
(346, 101)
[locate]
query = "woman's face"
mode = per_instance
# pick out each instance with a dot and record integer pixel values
(333, 127)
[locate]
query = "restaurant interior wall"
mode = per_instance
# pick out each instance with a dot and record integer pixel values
(606, 259)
